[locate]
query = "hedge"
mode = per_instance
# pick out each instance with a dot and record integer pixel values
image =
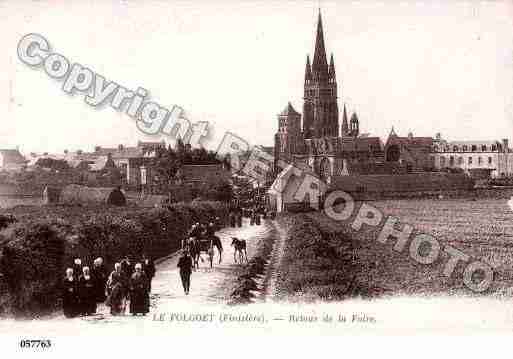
(316, 265)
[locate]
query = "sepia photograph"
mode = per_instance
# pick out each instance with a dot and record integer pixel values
(308, 169)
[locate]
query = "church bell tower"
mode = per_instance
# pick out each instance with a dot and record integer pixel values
(320, 108)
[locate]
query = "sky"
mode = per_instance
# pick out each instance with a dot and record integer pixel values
(425, 67)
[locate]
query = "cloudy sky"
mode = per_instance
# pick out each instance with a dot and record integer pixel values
(426, 67)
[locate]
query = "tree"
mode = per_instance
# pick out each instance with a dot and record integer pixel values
(53, 164)
(165, 164)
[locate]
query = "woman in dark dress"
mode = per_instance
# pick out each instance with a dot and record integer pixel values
(70, 304)
(127, 268)
(257, 217)
(239, 218)
(100, 280)
(139, 295)
(115, 288)
(77, 268)
(148, 269)
(86, 293)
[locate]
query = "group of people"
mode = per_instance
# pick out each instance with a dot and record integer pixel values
(254, 213)
(85, 287)
(235, 218)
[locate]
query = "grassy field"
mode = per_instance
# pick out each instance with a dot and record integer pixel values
(482, 229)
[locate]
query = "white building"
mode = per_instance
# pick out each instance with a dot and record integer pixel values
(495, 156)
(11, 160)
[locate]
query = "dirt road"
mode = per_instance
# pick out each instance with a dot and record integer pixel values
(209, 286)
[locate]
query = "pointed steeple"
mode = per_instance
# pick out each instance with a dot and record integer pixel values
(345, 127)
(354, 125)
(308, 70)
(331, 70)
(320, 63)
(392, 133)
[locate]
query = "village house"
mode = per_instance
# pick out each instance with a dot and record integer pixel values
(132, 162)
(12, 160)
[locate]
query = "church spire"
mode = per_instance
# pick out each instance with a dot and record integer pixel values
(308, 70)
(354, 125)
(332, 67)
(345, 127)
(320, 63)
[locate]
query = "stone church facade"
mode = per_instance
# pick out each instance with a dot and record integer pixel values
(316, 139)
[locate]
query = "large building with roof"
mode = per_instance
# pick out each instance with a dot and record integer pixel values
(315, 138)
(493, 156)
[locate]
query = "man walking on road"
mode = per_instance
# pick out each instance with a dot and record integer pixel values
(185, 265)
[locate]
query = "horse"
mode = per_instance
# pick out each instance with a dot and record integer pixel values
(194, 251)
(216, 241)
(240, 248)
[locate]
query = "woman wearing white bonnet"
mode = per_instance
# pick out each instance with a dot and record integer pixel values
(86, 292)
(70, 304)
(139, 295)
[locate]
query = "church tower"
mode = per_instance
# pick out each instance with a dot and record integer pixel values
(289, 132)
(320, 108)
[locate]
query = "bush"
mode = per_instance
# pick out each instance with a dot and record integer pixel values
(30, 264)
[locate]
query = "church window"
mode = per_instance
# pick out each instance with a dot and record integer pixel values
(494, 148)
(464, 148)
(489, 160)
(483, 148)
(455, 149)
(460, 160)
(442, 162)
(470, 160)
(451, 161)
(479, 160)
(474, 148)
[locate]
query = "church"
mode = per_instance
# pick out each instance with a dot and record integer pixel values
(317, 140)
